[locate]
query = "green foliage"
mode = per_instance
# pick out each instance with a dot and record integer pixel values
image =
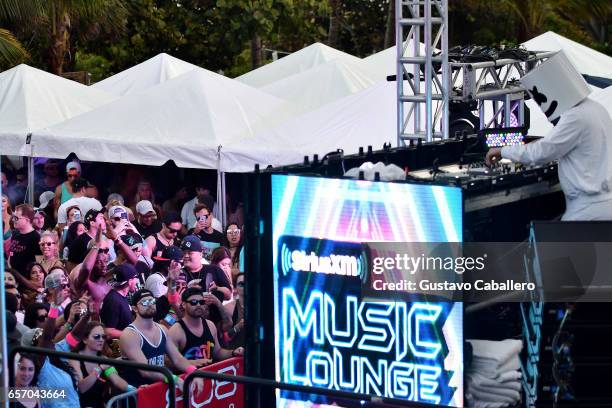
(96, 65)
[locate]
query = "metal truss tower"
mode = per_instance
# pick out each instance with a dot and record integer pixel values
(423, 95)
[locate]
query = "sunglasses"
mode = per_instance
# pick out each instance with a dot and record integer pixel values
(99, 336)
(233, 232)
(173, 231)
(195, 302)
(63, 286)
(41, 318)
(103, 250)
(147, 302)
(47, 243)
(116, 219)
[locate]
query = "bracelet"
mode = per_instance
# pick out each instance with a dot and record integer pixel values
(130, 388)
(110, 371)
(174, 377)
(190, 369)
(72, 342)
(98, 371)
(54, 312)
(68, 326)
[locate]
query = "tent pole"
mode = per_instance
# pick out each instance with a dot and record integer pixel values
(31, 180)
(221, 189)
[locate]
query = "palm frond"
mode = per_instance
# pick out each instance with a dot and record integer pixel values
(21, 9)
(11, 50)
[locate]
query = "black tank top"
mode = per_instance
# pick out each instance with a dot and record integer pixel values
(153, 353)
(93, 397)
(198, 347)
(238, 339)
(159, 247)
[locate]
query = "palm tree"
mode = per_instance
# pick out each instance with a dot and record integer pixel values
(11, 50)
(54, 20)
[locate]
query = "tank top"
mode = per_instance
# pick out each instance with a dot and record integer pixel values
(159, 247)
(153, 353)
(66, 195)
(237, 340)
(197, 347)
(93, 397)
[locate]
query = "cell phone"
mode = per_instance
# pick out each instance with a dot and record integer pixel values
(76, 216)
(202, 218)
(124, 215)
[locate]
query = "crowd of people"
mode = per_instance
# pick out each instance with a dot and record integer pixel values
(157, 284)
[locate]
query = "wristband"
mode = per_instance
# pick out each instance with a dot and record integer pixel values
(54, 312)
(174, 377)
(173, 298)
(110, 371)
(72, 342)
(130, 388)
(190, 369)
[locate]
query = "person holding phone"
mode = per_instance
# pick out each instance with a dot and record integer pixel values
(209, 237)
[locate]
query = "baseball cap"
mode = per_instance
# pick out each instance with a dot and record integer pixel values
(156, 283)
(144, 207)
(45, 198)
(190, 292)
(191, 243)
(55, 279)
(73, 165)
(140, 294)
(122, 274)
(90, 216)
(131, 240)
(170, 253)
(116, 211)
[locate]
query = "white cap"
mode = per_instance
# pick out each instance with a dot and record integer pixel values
(144, 207)
(45, 198)
(73, 165)
(155, 283)
(556, 86)
(116, 211)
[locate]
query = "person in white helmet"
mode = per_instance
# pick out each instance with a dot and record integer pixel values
(581, 140)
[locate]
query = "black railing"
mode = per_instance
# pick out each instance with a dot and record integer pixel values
(261, 382)
(95, 359)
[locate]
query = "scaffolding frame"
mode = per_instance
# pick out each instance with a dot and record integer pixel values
(427, 20)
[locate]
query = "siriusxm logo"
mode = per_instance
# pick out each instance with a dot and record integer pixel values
(321, 256)
(336, 264)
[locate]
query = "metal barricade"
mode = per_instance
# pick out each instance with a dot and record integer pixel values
(260, 382)
(122, 400)
(95, 359)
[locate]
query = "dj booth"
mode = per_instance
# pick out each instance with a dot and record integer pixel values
(310, 322)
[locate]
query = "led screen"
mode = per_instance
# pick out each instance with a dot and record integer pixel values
(327, 334)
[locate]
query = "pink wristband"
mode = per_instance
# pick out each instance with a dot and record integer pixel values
(53, 313)
(190, 369)
(173, 298)
(72, 342)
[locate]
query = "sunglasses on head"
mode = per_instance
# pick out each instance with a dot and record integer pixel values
(147, 302)
(195, 302)
(47, 243)
(103, 250)
(99, 336)
(41, 318)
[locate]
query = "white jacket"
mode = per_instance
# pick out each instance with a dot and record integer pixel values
(582, 143)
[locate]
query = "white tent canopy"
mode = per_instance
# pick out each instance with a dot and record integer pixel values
(31, 99)
(184, 119)
(365, 118)
(151, 72)
(323, 84)
(299, 61)
(587, 60)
